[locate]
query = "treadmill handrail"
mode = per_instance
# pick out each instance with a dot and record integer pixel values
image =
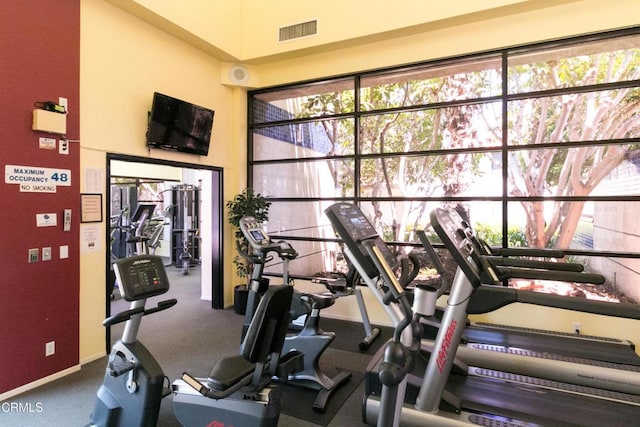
(559, 275)
(531, 263)
(606, 308)
(488, 298)
(531, 252)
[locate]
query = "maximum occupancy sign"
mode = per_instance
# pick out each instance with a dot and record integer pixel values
(37, 179)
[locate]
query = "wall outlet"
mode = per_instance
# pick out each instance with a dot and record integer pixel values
(33, 255)
(50, 348)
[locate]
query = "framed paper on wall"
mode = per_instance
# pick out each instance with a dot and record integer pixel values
(90, 207)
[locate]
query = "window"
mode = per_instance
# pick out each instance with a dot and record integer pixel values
(538, 144)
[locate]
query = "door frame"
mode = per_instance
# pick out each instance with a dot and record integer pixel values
(216, 238)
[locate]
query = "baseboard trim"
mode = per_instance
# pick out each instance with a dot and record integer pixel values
(42, 381)
(351, 319)
(91, 359)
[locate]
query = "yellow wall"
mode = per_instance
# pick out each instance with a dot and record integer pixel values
(553, 319)
(137, 170)
(213, 26)
(123, 61)
(346, 22)
(573, 18)
(247, 30)
(124, 58)
(209, 20)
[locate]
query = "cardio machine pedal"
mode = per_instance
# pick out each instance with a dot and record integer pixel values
(117, 369)
(290, 363)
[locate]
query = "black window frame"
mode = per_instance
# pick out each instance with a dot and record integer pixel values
(504, 98)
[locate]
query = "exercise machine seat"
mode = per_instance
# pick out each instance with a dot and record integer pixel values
(228, 371)
(318, 301)
(264, 340)
(268, 330)
(259, 352)
(238, 390)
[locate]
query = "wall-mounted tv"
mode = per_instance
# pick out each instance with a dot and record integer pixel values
(179, 125)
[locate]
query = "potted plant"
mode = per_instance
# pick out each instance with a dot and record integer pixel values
(247, 203)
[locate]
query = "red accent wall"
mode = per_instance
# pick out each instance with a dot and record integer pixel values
(39, 302)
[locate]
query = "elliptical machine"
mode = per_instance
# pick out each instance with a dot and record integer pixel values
(311, 340)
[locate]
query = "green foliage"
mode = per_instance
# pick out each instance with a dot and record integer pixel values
(419, 130)
(492, 234)
(457, 132)
(247, 203)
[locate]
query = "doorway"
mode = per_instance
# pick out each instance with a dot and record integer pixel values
(177, 192)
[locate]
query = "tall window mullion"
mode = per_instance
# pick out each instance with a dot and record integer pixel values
(356, 136)
(504, 152)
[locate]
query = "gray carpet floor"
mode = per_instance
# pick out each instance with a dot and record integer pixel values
(191, 337)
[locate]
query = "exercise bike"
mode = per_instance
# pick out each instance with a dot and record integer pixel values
(312, 341)
(238, 390)
(134, 383)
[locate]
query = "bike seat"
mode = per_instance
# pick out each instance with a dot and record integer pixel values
(319, 301)
(335, 282)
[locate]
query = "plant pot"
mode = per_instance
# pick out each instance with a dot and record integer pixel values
(240, 296)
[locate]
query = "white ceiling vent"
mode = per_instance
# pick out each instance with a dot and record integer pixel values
(297, 31)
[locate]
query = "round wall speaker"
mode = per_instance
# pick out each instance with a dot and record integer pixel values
(239, 74)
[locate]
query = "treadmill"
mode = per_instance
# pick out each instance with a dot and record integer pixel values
(417, 390)
(521, 342)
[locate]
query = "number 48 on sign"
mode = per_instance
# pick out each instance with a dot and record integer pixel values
(37, 179)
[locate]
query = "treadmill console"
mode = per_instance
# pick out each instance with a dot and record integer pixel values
(261, 242)
(141, 277)
(354, 229)
(453, 232)
(254, 232)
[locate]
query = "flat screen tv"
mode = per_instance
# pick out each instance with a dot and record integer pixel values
(179, 125)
